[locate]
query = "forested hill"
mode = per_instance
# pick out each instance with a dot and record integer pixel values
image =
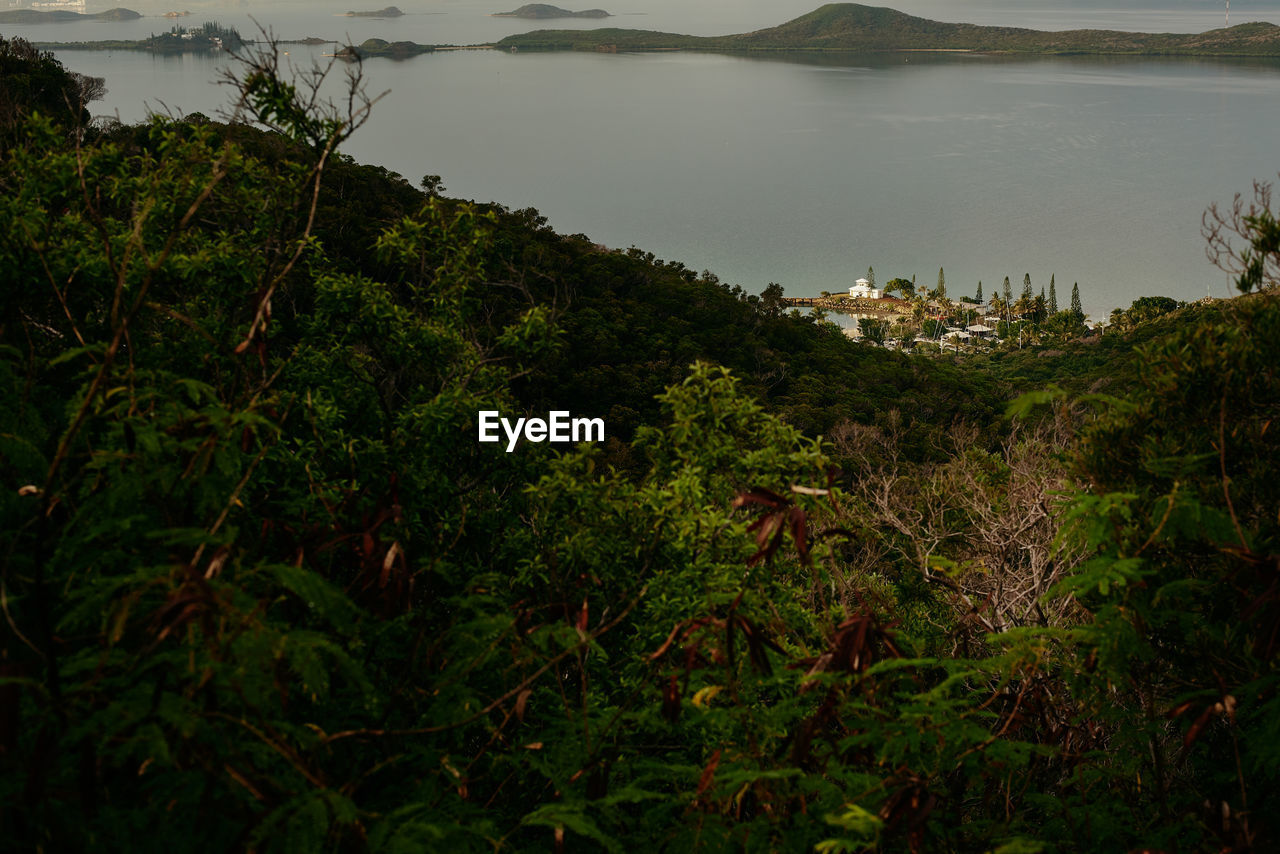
(264, 588)
(630, 324)
(854, 27)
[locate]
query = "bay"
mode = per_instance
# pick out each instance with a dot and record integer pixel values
(798, 170)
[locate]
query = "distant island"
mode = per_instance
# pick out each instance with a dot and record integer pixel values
(542, 10)
(851, 27)
(62, 16)
(382, 47)
(389, 12)
(210, 36)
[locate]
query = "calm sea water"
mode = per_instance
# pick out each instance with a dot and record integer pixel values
(800, 172)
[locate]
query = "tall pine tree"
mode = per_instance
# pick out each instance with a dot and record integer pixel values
(1008, 292)
(1076, 308)
(1026, 286)
(871, 278)
(941, 293)
(978, 295)
(1053, 297)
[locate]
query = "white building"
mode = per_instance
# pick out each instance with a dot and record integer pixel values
(862, 290)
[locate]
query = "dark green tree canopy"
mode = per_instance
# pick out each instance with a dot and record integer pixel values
(32, 80)
(900, 285)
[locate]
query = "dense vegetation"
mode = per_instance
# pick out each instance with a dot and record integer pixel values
(854, 27)
(210, 36)
(33, 81)
(262, 589)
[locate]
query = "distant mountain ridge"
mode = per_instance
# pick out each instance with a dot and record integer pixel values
(855, 27)
(58, 16)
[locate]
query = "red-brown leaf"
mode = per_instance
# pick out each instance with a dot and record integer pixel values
(708, 773)
(666, 644)
(1197, 727)
(671, 700)
(762, 496)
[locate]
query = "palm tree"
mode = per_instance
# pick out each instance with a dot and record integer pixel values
(1039, 309)
(919, 308)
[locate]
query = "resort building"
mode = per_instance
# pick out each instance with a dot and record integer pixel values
(862, 290)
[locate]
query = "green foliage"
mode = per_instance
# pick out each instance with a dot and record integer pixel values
(1143, 310)
(263, 589)
(873, 330)
(903, 286)
(864, 829)
(32, 80)
(1257, 264)
(1178, 518)
(240, 483)
(1263, 230)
